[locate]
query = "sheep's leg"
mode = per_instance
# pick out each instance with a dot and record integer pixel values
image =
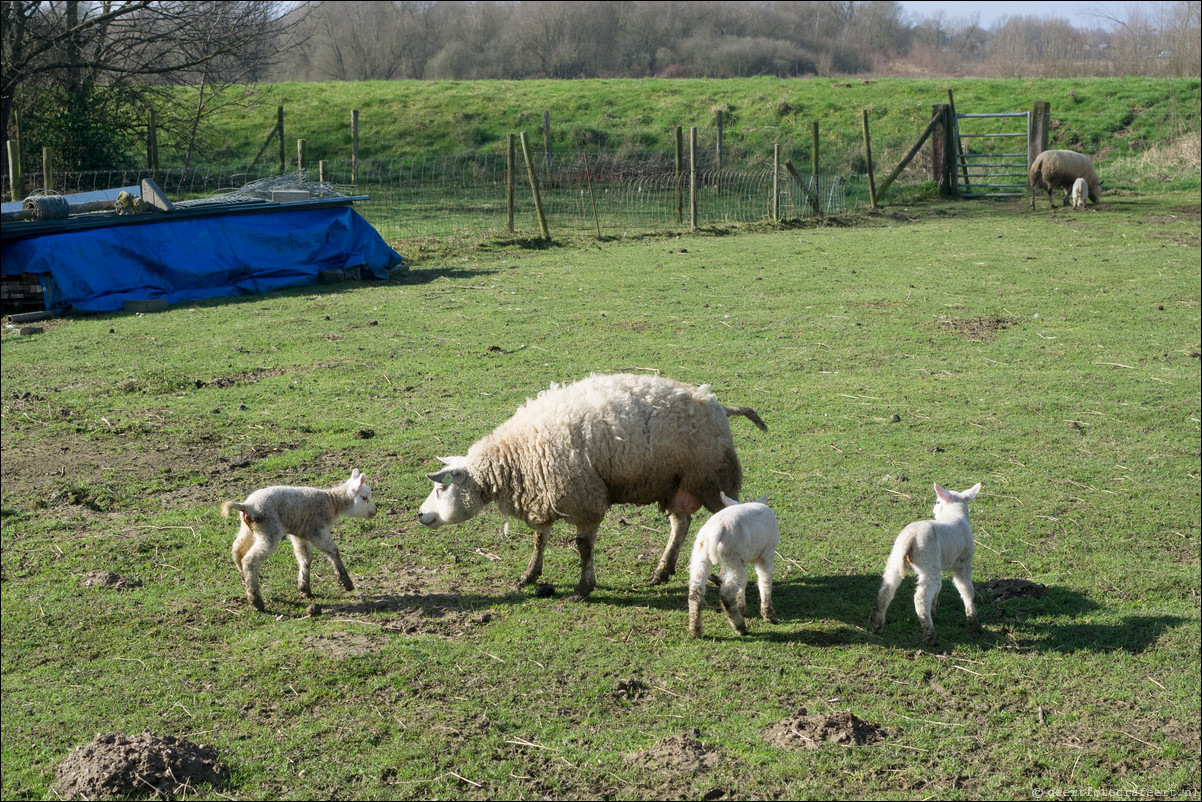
(763, 575)
(667, 563)
(924, 597)
(303, 553)
(962, 578)
(699, 571)
(242, 544)
(734, 588)
(884, 598)
(586, 537)
(267, 538)
(535, 568)
(322, 540)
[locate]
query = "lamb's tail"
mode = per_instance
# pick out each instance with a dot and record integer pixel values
(230, 506)
(749, 413)
(899, 558)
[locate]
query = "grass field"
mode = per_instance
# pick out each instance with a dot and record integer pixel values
(1052, 356)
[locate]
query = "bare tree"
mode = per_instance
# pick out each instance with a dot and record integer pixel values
(82, 50)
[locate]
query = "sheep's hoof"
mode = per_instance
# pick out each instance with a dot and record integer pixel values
(660, 576)
(348, 584)
(257, 604)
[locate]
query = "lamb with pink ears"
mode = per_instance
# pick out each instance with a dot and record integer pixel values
(931, 547)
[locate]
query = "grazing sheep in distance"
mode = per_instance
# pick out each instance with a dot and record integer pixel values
(305, 514)
(733, 537)
(1080, 190)
(1054, 169)
(930, 547)
(576, 449)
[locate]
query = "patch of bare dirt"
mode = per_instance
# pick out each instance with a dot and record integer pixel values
(116, 765)
(979, 329)
(246, 377)
(108, 579)
(344, 644)
(1000, 590)
(811, 732)
(679, 753)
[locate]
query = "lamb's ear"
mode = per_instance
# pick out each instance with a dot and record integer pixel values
(356, 481)
(762, 500)
(943, 495)
(727, 500)
(971, 492)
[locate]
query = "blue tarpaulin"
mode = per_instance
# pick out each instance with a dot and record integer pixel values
(189, 259)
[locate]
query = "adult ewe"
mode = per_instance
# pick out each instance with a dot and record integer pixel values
(1054, 169)
(576, 449)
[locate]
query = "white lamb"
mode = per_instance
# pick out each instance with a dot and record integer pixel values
(576, 449)
(305, 515)
(931, 547)
(1080, 193)
(733, 537)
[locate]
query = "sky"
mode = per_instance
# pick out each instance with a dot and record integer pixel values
(1079, 14)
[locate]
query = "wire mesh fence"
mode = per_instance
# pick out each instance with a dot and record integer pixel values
(479, 195)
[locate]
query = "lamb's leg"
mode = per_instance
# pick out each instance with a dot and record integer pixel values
(667, 563)
(266, 539)
(242, 544)
(734, 586)
(884, 598)
(924, 597)
(586, 536)
(699, 571)
(763, 575)
(535, 568)
(962, 577)
(322, 540)
(302, 551)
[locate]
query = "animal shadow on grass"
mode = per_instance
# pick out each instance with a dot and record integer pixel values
(1039, 620)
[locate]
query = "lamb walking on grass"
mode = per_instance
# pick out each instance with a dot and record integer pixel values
(574, 450)
(305, 515)
(733, 537)
(931, 547)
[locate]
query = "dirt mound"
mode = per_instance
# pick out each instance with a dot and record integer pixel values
(678, 753)
(810, 732)
(978, 329)
(1001, 590)
(119, 765)
(108, 579)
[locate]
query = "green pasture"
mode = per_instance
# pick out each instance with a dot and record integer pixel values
(1051, 356)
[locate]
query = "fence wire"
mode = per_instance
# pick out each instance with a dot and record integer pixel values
(468, 195)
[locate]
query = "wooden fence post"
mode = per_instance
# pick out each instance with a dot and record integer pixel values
(48, 169)
(679, 175)
(16, 184)
(510, 178)
(959, 163)
(354, 146)
(693, 177)
(868, 162)
(939, 140)
(300, 153)
(1037, 136)
(538, 201)
(279, 128)
(776, 182)
(323, 171)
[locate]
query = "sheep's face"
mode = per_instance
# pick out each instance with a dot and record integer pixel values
(455, 497)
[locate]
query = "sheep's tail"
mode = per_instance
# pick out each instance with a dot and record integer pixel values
(230, 506)
(899, 557)
(749, 413)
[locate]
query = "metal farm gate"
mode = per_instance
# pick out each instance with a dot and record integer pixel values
(991, 155)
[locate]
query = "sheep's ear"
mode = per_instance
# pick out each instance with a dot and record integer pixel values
(448, 476)
(356, 481)
(727, 500)
(762, 500)
(971, 492)
(943, 495)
